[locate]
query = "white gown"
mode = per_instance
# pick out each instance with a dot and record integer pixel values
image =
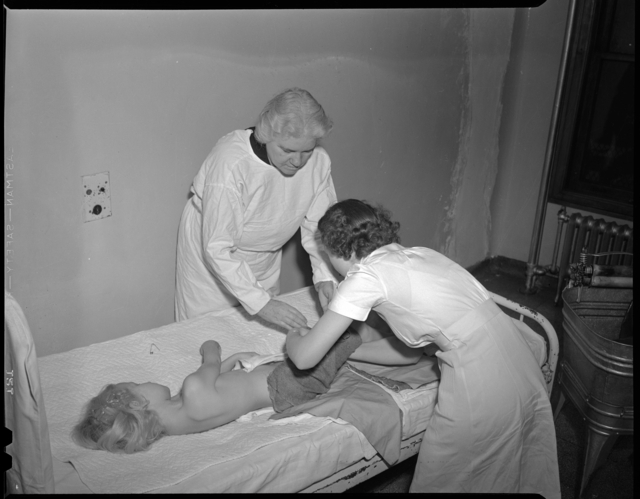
(235, 224)
(492, 428)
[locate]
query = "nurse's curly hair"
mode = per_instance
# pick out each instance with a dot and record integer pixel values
(355, 227)
(117, 420)
(292, 113)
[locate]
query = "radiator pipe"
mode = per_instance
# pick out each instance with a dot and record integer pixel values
(610, 270)
(533, 268)
(563, 218)
(601, 276)
(610, 282)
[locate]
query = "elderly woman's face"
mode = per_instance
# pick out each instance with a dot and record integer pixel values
(290, 154)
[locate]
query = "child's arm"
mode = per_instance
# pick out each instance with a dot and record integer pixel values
(229, 363)
(306, 347)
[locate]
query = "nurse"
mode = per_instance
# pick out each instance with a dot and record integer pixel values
(492, 427)
(256, 188)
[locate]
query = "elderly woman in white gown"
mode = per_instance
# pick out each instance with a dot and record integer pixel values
(256, 188)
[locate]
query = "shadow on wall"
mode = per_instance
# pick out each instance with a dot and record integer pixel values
(298, 272)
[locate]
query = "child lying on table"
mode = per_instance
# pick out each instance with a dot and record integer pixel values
(129, 417)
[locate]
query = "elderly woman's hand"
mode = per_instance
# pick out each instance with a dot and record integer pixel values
(282, 314)
(325, 291)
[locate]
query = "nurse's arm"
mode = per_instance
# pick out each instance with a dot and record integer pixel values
(306, 348)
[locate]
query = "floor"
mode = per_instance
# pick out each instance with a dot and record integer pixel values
(613, 480)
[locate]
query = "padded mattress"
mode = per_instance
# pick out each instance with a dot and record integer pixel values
(251, 454)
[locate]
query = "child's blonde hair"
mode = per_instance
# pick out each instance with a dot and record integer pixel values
(117, 420)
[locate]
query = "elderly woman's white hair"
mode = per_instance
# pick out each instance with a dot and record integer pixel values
(292, 113)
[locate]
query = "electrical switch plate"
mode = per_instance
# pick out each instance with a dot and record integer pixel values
(97, 196)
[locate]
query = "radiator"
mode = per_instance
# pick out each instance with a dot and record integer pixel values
(592, 236)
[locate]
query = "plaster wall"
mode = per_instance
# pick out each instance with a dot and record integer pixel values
(417, 98)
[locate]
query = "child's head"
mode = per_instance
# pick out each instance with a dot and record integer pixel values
(117, 420)
(353, 227)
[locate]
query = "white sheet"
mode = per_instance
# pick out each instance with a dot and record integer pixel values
(31, 469)
(285, 466)
(71, 378)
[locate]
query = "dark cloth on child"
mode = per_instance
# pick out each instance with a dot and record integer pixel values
(336, 389)
(290, 386)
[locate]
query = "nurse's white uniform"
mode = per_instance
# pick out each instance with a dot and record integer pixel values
(233, 227)
(492, 428)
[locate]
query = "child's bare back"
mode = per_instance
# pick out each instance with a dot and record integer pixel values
(236, 393)
(215, 394)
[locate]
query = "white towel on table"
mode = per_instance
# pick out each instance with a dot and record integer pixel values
(251, 363)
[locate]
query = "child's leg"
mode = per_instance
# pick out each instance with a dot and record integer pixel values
(290, 386)
(373, 329)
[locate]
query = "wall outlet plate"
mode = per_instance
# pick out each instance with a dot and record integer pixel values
(97, 196)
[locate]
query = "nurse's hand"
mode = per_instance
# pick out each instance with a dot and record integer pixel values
(325, 291)
(282, 314)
